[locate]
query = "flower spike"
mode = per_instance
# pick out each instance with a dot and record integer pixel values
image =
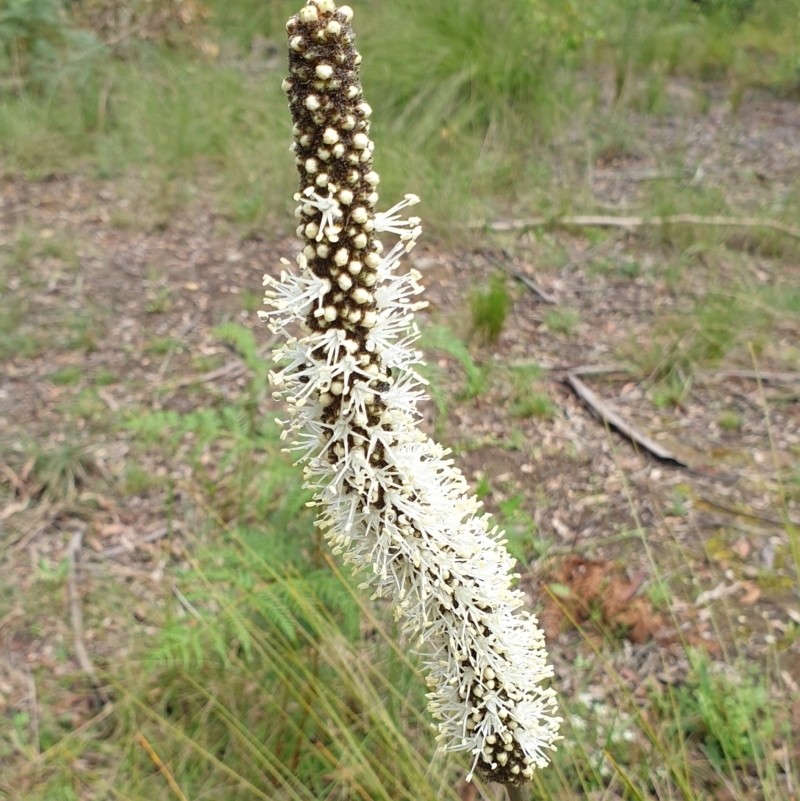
(390, 500)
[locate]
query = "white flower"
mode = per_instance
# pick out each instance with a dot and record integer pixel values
(391, 221)
(390, 501)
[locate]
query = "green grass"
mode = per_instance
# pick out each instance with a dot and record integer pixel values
(562, 322)
(490, 308)
(466, 99)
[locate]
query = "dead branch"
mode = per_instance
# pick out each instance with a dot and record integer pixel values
(186, 603)
(762, 518)
(608, 221)
(119, 550)
(599, 369)
(530, 284)
(756, 375)
(76, 612)
(163, 769)
(613, 419)
(232, 370)
(585, 369)
(34, 705)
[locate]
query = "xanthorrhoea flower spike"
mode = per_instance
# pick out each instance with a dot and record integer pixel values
(390, 500)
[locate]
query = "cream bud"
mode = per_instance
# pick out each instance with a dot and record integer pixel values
(341, 257)
(308, 14)
(330, 137)
(312, 103)
(360, 141)
(360, 295)
(323, 71)
(345, 197)
(359, 215)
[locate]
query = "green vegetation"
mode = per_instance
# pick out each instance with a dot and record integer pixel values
(469, 96)
(490, 309)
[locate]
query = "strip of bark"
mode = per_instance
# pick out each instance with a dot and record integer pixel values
(530, 284)
(614, 420)
(756, 375)
(76, 613)
(611, 221)
(120, 550)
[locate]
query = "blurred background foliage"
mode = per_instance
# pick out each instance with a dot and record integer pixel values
(473, 95)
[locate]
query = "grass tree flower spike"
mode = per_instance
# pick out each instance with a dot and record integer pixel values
(390, 500)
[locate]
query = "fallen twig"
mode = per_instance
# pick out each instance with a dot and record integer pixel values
(230, 371)
(535, 288)
(613, 419)
(119, 550)
(609, 221)
(755, 375)
(76, 612)
(164, 770)
(34, 705)
(186, 603)
(773, 521)
(584, 369)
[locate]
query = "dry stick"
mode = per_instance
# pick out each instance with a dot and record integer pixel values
(186, 603)
(160, 765)
(606, 221)
(34, 704)
(773, 521)
(613, 419)
(584, 369)
(777, 378)
(119, 550)
(534, 287)
(231, 370)
(77, 616)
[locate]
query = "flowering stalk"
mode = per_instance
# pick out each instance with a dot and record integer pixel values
(390, 500)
